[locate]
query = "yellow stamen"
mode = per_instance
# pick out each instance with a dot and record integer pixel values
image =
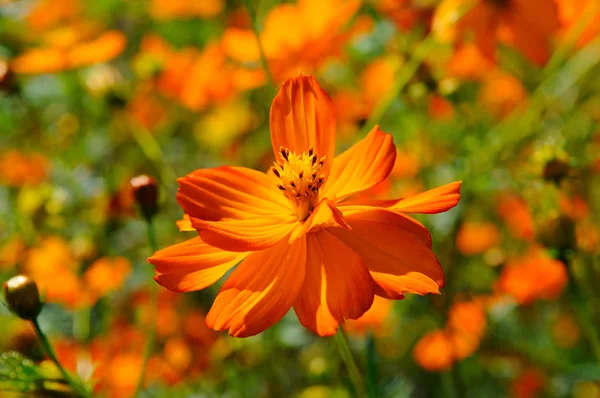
(300, 178)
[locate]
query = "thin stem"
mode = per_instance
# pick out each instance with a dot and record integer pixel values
(151, 329)
(353, 372)
(77, 387)
(263, 58)
(371, 373)
(581, 309)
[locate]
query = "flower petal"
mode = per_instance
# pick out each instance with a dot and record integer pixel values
(435, 200)
(230, 193)
(337, 285)
(245, 235)
(325, 215)
(361, 167)
(302, 116)
(192, 265)
(235, 208)
(400, 260)
(260, 291)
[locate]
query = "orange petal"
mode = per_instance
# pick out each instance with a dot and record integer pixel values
(241, 44)
(235, 208)
(192, 265)
(325, 215)
(302, 116)
(435, 200)
(104, 48)
(260, 291)
(337, 285)
(245, 235)
(361, 167)
(39, 60)
(399, 259)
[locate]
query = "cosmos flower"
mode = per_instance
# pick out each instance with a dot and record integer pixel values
(302, 238)
(527, 25)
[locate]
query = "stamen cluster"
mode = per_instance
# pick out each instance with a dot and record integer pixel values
(300, 178)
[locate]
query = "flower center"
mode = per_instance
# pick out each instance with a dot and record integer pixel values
(300, 178)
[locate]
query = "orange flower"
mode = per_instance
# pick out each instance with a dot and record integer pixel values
(304, 239)
(533, 276)
(104, 47)
(196, 79)
(517, 216)
(468, 63)
(106, 275)
(18, 169)
(404, 13)
(374, 319)
(48, 13)
(572, 11)
(475, 238)
(526, 25)
(296, 37)
(434, 352)
(170, 9)
(52, 265)
(501, 93)
(529, 384)
(439, 349)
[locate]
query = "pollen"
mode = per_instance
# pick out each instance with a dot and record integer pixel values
(300, 178)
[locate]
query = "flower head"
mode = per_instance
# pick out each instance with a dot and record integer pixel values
(304, 238)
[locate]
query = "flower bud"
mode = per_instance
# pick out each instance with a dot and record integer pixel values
(559, 233)
(145, 192)
(7, 77)
(555, 170)
(22, 296)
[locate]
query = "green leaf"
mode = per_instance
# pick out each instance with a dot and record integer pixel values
(20, 376)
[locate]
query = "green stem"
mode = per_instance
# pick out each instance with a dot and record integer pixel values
(151, 149)
(263, 58)
(353, 372)
(151, 329)
(77, 387)
(581, 309)
(371, 373)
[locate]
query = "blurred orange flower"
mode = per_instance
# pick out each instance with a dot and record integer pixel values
(439, 349)
(18, 169)
(305, 241)
(53, 266)
(46, 14)
(372, 320)
(501, 93)
(434, 351)
(196, 79)
(475, 238)
(518, 218)
(469, 63)
(170, 9)
(12, 253)
(529, 384)
(82, 47)
(527, 25)
(296, 37)
(106, 275)
(533, 276)
(571, 13)
(405, 13)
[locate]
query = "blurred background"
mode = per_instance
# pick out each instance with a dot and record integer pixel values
(502, 94)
